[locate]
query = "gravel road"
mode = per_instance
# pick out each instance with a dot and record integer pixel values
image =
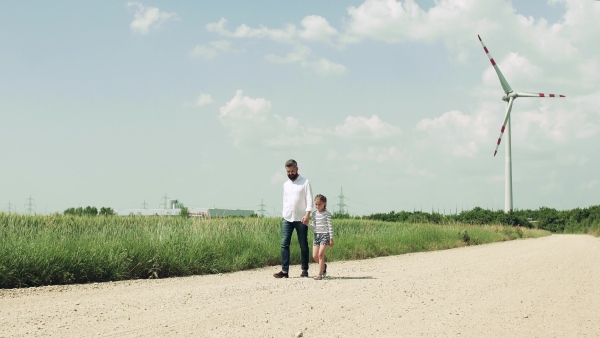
(546, 287)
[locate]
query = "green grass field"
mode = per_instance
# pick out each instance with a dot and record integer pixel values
(50, 250)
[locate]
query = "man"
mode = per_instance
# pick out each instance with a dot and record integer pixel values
(297, 206)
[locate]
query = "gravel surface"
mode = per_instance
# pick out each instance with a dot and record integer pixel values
(546, 287)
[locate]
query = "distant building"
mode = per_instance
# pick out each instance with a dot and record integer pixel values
(228, 212)
(148, 212)
(192, 212)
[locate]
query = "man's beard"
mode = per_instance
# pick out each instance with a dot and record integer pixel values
(293, 177)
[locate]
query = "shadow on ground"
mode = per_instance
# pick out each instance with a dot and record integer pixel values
(332, 278)
(360, 277)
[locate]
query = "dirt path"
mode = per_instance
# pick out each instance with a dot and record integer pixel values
(528, 288)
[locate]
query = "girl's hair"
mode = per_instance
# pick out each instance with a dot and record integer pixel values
(322, 199)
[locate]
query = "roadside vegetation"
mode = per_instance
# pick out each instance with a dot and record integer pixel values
(66, 249)
(575, 221)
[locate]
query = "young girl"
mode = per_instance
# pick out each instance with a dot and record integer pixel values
(321, 224)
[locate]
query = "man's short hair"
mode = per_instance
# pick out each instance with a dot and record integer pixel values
(291, 163)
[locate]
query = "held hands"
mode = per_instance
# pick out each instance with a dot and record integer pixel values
(305, 219)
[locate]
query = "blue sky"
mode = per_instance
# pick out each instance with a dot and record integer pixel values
(115, 103)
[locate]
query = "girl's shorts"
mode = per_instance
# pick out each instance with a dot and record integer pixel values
(321, 239)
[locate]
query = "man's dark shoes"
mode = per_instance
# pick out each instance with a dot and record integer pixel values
(280, 274)
(304, 273)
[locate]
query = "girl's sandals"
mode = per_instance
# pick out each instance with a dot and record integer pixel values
(322, 275)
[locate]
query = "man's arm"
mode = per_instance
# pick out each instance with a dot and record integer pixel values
(283, 195)
(312, 222)
(309, 198)
(309, 202)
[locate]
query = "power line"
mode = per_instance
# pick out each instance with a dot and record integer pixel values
(164, 204)
(29, 206)
(11, 207)
(360, 205)
(262, 208)
(341, 204)
(144, 205)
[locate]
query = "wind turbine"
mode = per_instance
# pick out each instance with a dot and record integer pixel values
(509, 97)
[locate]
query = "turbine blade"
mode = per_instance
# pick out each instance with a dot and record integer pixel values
(526, 94)
(503, 81)
(508, 109)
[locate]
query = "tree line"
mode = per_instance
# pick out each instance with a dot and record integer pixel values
(89, 211)
(578, 220)
(572, 221)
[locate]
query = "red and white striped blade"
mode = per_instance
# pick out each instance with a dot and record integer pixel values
(503, 82)
(526, 94)
(508, 109)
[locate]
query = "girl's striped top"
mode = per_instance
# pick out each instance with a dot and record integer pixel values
(321, 223)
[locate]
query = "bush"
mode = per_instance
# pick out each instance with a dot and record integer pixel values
(586, 220)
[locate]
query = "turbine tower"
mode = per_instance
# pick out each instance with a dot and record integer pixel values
(509, 98)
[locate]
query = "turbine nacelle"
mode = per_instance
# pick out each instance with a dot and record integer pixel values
(510, 95)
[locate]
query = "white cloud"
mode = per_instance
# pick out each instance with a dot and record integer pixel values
(591, 185)
(298, 55)
(358, 127)
(326, 67)
(146, 18)
(376, 154)
(457, 22)
(515, 68)
(589, 73)
(245, 109)
(205, 52)
(557, 120)
(419, 172)
(250, 120)
(533, 55)
(457, 133)
(316, 28)
(575, 160)
(203, 100)
(301, 55)
(396, 21)
(212, 49)
(537, 124)
(588, 108)
(544, 121)
(381, 20)
(549, 41)
(278, 178)
(286, 35)
(578, 21)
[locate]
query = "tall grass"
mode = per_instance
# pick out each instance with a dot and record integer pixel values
(47, 250)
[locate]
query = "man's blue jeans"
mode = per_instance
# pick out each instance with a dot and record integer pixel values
(286, 236)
